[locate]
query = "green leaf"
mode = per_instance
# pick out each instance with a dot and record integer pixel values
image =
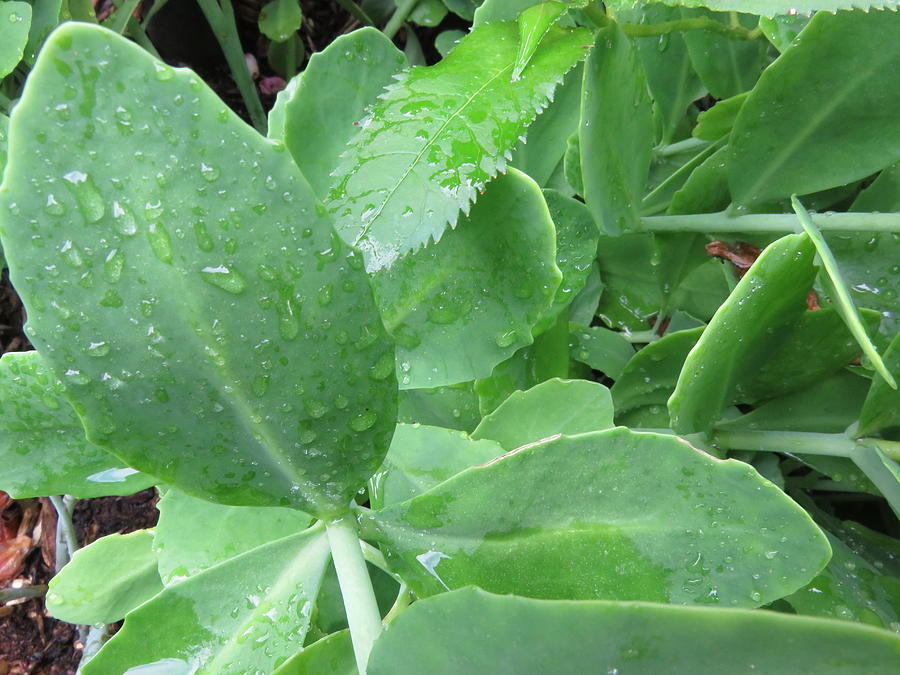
(492, 11)
(4, 141)
(43, 450)
(616, 132)
(286, 57)
(451, 407)
(465, 9)
(331, 96)
(332, 655)
(436, 137)
(534, 23)
(421, 457)
(839, 82)
(193, 534)
(15, 20)
(881, 470)
(718, 121)
(446, 40)
(280, 19)
(45, 16)
(768, 7)
(882, 405)
(484, 286)
(241, 616)
(105, 580)
(163, 370)
(610, 514)
(781, 30)
(473, 631)
(632, 293)
(516, 373)
(549, 409)
(602, 349)
(427, 12)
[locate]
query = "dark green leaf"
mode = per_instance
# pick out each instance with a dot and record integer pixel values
(427, 12)
(15, 20)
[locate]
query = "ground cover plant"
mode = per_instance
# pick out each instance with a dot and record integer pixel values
(568, 352)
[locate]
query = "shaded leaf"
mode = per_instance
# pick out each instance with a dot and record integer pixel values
(15, 20)
(602, 349)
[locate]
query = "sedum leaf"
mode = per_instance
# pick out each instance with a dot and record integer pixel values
(768, 7)
(438, 135)
(611, 514)
(15, 20)
(471, 631)
(144, 251)
(882, 405)
(602, 349)
(43, 450)
(105, 580)
(332, 655)
(241, 616)
(280, 19)
(534, 23)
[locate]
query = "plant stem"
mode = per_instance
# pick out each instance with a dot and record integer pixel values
(375, 557)
(641, 337)
(137, 32)
(221, 20)
(696, 23)
(404, 7)
(66, 538)
(401, 603)
(356, 12)
(119, 19)
(660, 192)
(7, 594)
(356, 588)
(95, 639)
(596, 15)
(833, 445)
(722, 222)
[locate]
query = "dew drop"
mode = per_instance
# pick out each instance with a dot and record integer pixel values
(160, 242)
(363, 421)
(226, 278)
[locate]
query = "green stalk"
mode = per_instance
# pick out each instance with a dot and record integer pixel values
(221, 20)
(66, 537)
(832, 445)
(137, 32)
(845, 306)
(356, 588)
(641, 337)
(679, 25)
(722, 222)
(404, 7)
(681, 146)
(7, 594)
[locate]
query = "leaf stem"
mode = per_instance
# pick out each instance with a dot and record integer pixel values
(723, 222)
(375, 557)
(356, 588)
(220, 15)
(356, 12)
(833, 445)
(7, 594)
(641, 337)
(401, 603)
(681, 146)
(404, 7)
(66, 537)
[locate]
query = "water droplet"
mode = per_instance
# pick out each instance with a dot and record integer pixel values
(72, 254)
(209, 173)
(260, 385)
(288, 321)
(363, 421)
(113, 266)
(505, 339)
(226, 278)
(98, 349)
(124, 220)
(314, 408)
(53, 207)
(86, 194)
(163, 72)
(160, 242)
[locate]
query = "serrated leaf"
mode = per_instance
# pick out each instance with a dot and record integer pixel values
(105, 580)
(533, 25)
(43, 449)
(438, 135)
(163, 370)
(768, 7)
(15, 20)
(244, 615)
(472, 631)
(611, 514)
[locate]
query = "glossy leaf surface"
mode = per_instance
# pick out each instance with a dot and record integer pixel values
(193, 534)
(15, 20)
(241, 616)
(463, 305)
(616, 132)
(548, 409)
(472, 631)
(170, 267)
(437, 136)
(332, 655)
(105, 580)
(420, 457)
(612, 514)
(318, 112)
(838, 81)
(43, 450)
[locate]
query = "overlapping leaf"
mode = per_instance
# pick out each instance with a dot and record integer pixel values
(15, 20)
(769, 7)
(177, 249)
(437, 136)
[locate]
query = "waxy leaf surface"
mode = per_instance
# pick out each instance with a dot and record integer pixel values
(611, 514)
(144, 250)
(473, 631)
(459, 307)
(241, 616)
(80, 593)
(838, 81)
(15, 20)
(43, 450)
(332, 655)
(437, 136)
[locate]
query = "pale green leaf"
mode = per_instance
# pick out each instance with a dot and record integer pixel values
(15, 20)
(768, 7)
(602, 349)
(280, 19)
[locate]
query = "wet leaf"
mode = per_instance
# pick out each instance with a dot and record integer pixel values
(602, 349)
(331, 96)
(332, 655)
(837, 81)
(437, 136)
(105, 580)
(716, 122)
(461, 306)
(15, 20)
(452, 407)
(280, 19)
(472, 631)
(43, 449)
(611, 514)
(533, 24)
(163, 369)
(193, 534)
(551, 408)
(241, 616)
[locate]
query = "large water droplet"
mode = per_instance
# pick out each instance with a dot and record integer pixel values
(363, 421)
(226, 278)
(160, 242)
(113, 266)
(124, 219)
(86, 194)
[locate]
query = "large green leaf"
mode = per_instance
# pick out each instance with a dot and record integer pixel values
(838, 81)
(551, 408)
(105, 580)
(244, 615)
(421, 457)
(882, 405)
(470, 631)
(768, 7)
(43, 450)
(459, 307)
(316, 114)
(194, 534)
(144, 252)
(602, 349)
(611, 514)
(15, 20)
(616, 132)
(436, 137)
